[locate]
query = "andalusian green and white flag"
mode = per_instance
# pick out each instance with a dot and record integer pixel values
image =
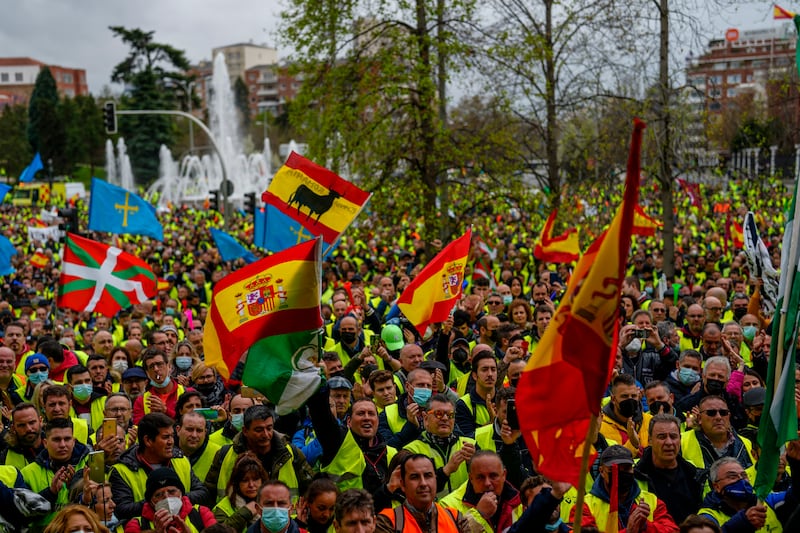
(269, 313)
(99, 278)
(779, 419)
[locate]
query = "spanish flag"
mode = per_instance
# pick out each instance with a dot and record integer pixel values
(644, 225)
(40, 260)
(433, 293)
(564, 248)
(316, 198)
(563, 384)
(269, 312)
(780, 13)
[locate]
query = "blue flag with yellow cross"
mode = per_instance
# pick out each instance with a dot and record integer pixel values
(115, 210)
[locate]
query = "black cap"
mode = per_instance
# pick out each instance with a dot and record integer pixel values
(755, 396)
(459, 340)
(616, 455)
(160, 478)
(432, 366)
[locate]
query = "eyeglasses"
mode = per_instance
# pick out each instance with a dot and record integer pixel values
(495, 302)
(714, 412)
(736, 476)
(38, 369)
(118, 409)
(441, 415)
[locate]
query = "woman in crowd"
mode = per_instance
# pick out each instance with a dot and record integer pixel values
(239, 508)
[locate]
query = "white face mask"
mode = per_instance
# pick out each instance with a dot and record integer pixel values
(172, 504)
(634, 346)
(120, 365)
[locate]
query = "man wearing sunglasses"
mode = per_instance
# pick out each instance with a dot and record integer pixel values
(450, 452)
(715, 438)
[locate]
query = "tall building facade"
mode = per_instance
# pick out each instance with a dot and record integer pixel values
(18, 78)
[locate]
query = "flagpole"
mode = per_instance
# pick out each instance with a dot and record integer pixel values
(330, 246)
(591, 435)
(787, 288)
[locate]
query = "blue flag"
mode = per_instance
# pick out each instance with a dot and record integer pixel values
(6, 251)
(229, 248)
(4, 189)
(31, 170)
(115, 210)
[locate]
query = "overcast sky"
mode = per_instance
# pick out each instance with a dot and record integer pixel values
(74, 33)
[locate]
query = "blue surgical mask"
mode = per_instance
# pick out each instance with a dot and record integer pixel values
(183, 362)
(687, 376)
(275, 519)
(38, 377)
(507, 299)
(82, 392)
(749, 332)
(554, 526)
(162, 384)
(741, 491)
(237, 421)
(421, 396)
(649, 290)
(170, 311)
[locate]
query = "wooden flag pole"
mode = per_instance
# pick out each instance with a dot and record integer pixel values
(591, 437)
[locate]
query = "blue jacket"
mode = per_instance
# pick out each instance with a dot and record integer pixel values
(538, 514)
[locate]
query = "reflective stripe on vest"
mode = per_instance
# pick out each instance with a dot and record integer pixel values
(600, 508)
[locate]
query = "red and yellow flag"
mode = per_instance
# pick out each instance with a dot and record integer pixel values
(276, 295)
(780, 13)
(433, 293)
(564, 248)
(315, 197)
(562, 386)
(40, 260)
(644, 225)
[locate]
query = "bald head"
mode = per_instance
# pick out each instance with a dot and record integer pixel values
(718, 293)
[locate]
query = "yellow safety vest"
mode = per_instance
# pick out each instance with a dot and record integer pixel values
(96, 413)
(396, 422)
(600, 508)
(8, 475)
(771, 525)
(349, 463)
(203, 464)
(479, 412)
(691, 451)
(285, 474)
(138, 479)
(39, 478)
(456, 478)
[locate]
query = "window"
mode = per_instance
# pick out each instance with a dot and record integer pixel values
(715, 80)
(18, 76)
(731, 93)
(715, 106)
(67, 78)
(715, 93)
(4, 77)
(721, 66)
(734, 78)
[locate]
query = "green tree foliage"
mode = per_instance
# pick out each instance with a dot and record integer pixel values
(241, 97)
(85, 136)
(15, 149)
(151, 73)
(369, 103)
(45, 129)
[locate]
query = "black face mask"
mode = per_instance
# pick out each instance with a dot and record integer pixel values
(627, 408)
(739, 313)
(205, 388)
(715, 386)
(494, 337)
(660, 407)
(625, 482)
(460, 356)
(348, 337)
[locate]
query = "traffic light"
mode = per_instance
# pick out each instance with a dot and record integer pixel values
(215, 200)
(110, 117)
(250, 203)
(70, 217)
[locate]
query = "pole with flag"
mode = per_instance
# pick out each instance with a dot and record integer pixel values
(779, 425)
(559, 392)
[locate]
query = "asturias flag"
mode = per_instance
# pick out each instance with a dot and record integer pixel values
(270, 312)
(316, 199)
(229, 248)
(562, 386)
(31, 170)
(6, 251)
(4, 189)
(115, 210)
(96, 277)
(564, 248)
(432, 294)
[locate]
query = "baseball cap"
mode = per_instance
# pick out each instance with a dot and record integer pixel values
(393, 337)
(755, 396)
(134, 373)
(36, 359)
(459, 340)
(432, 366)
(616, 455)
(160, 478)
(338, 382)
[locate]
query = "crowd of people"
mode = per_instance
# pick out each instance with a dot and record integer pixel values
(115, 423)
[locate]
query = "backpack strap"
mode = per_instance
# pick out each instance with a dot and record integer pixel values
(399, 519)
